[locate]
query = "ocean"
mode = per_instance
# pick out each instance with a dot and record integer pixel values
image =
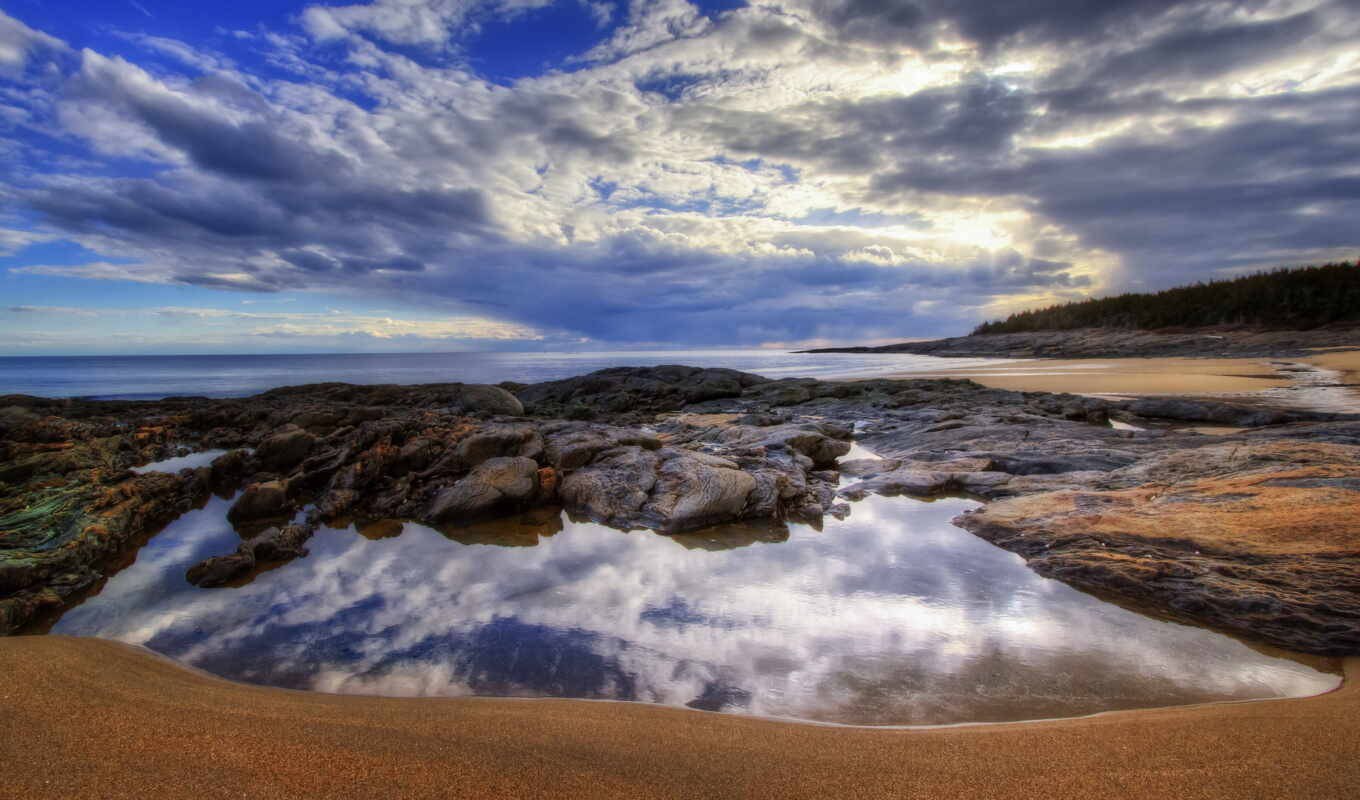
(153, 377)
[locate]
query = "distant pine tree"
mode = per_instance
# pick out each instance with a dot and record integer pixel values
(1298, 298)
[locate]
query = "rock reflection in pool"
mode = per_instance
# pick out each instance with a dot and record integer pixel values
(892, 616)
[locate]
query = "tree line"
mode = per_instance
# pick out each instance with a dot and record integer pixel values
(1296, 298)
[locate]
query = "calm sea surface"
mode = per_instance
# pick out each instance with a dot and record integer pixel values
(151, 377)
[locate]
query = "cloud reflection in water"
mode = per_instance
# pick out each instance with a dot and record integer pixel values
(892, 616)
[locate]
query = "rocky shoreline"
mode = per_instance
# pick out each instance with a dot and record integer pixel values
(1121, 343)
(1251, 532)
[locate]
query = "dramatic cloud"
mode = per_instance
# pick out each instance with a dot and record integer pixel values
(804, 170)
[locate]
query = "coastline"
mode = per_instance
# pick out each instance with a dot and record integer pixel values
(141, 718)
(1121, 376)
(149, 726)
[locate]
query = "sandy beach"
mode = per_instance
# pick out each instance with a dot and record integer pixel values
(1126, 375)
(92, 718)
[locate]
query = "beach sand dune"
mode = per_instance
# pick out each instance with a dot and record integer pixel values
(90, 718)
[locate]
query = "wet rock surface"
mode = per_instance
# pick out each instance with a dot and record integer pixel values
(1255, 531)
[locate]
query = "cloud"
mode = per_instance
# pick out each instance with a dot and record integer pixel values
(408, 22)
(59, 310)
(777, 172)
(18, 43)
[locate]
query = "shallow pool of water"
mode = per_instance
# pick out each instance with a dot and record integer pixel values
(890, 617)
(190, 461)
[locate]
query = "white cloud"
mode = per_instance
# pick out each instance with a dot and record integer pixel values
(411, 22)
(18, 42)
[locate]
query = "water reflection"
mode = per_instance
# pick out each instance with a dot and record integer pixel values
(190, 461)
(892, 616)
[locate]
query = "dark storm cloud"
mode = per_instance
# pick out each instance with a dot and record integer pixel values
(252, 149)
(142, 208)
(1274, 180)
(986, 22)
(1209, 52)
(307, 260)
(977, 119)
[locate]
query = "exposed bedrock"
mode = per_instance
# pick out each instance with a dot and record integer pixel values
(675, 449)
(1260, 538)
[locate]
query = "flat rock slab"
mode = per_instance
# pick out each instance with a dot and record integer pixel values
(1273, 552)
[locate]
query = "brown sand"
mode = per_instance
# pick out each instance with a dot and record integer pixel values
(1123, 375)
(88, 718)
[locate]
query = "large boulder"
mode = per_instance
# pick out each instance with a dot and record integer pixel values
(285, 449)
(499, 441)
(672, 490)
(614, 487)
(476, 398)
(228, 468)
(260, 501)
(569, 446)
(696, 489)
(495, 484)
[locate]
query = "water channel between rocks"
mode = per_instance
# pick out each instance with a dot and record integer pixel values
(892, 616)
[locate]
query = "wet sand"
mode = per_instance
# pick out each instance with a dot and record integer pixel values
(91, 718)
(1346, 362)
(1124, 375)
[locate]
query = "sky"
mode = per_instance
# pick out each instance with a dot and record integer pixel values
(443, 175)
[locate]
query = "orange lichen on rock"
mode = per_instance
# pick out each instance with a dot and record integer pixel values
(1274, 548)
(547, 480)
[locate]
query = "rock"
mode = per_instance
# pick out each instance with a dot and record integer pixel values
(633, 392)
(218, 570)
(694, 489)
(1037, 464)
(570, 447)
(260, 501)
(280, 544)
(712, 385)
(614, 487)
(15, 416)
(318, 420)
(228, 468)
(1186, 410)
(496, 483)
(804, 439)
(482, 399)
(283, 450)
(867, 467)
(674, 490)
(907, 481)
(1267, 550)
(789, 395)
(337, 503)
(497, 441)
(415, 456)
